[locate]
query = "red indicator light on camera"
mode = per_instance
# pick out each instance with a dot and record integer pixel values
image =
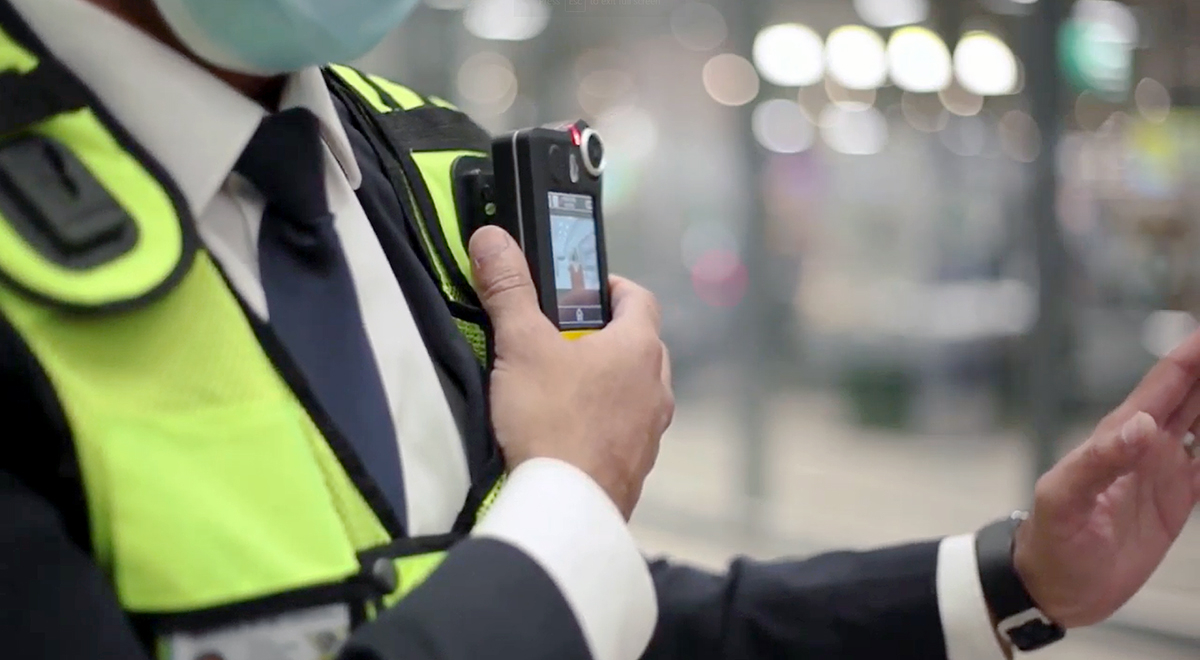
(576, 136)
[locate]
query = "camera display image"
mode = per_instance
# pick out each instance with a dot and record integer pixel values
(576, 262)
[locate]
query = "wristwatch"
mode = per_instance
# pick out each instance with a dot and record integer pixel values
(1018, 619)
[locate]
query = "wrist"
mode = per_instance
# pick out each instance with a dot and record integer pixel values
(616, 490)
(1026, 566)
(1018, 618)
(1037, 579)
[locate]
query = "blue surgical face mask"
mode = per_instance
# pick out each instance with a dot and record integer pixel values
(268, 37)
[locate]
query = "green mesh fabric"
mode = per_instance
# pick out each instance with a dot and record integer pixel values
(490, 499)
(475, 336)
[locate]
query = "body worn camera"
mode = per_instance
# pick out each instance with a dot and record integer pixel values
(544, 189)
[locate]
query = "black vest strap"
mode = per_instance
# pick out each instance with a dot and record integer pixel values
(45, 92)
(462, 379)
(434, 128)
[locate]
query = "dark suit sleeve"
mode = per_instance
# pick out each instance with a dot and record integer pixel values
(839, 606)
(54, 601)
(56, 604)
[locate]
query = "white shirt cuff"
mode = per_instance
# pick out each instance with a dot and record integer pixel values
(565, 522)
(966, 621)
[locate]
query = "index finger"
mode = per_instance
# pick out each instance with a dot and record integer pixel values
(1167, 384)
(632, 303)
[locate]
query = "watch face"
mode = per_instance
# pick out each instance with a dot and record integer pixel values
(1035, 635)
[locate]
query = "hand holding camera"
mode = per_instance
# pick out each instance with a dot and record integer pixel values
(600, 403)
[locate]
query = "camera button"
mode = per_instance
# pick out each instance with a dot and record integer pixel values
(557, 159)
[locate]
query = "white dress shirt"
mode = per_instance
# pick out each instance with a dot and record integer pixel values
(196, 126)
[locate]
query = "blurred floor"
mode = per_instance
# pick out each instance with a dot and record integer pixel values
(835, 486)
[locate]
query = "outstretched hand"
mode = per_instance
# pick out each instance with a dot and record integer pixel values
(1104, 518)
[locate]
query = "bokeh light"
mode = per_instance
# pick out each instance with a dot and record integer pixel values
(780, 125)
(603, 88)
(487, 82)
(730, 79)
(1164, 330)
(1153, 100)
(985, 65)
(811, 99)
(630, 133)
(719, 278)
(918, 60)
(854, 99)
(789, 55)
(892, 13)
(960, 101)
(854, 132)
(506, 20)
(1119, 20)
(856, 57)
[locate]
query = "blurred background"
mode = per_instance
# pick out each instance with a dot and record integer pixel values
(909, 251)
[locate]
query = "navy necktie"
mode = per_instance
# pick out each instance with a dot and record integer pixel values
(310, 294)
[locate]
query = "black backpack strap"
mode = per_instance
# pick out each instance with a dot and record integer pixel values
(457, 363)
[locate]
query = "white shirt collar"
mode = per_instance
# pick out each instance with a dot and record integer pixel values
(192, 122)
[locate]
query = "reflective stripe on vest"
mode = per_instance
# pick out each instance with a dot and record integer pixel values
(209, 484)
(431, 139)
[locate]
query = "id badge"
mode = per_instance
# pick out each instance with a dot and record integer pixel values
(313, 634)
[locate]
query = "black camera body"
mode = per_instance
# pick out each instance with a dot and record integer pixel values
(545, 190)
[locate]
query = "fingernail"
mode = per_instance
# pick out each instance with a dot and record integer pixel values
(488, 243)
(1138, 427)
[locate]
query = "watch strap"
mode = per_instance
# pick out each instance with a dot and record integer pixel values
(1019, 620)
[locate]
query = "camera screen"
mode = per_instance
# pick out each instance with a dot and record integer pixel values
(576, 262)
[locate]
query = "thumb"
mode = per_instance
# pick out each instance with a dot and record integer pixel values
(1095, 465)
(502, 277)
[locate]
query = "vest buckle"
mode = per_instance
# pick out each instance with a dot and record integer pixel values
(383, 575)
(59, 207)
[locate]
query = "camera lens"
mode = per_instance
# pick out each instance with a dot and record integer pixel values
(593, 152)
(595, 149)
